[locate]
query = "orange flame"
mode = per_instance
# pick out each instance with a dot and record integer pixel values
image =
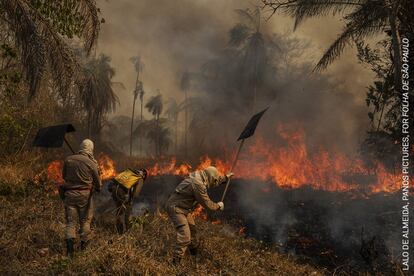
(199, 212)
(170, 167)
(288, 165)
(216, 222)
(54, 172)
(242, 230)
(106, 166)
(293, 165)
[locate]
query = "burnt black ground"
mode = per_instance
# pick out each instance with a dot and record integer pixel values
(327, 229)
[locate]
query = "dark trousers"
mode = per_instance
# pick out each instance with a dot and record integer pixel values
(123, 214)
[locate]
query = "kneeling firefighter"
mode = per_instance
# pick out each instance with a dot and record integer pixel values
(81, 175)
(124, 188)
(180, 204)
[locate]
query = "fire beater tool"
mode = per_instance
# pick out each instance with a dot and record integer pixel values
(53, 136)
(246, 133)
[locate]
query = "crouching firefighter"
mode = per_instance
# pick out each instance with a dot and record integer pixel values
(180, 204)
(81, 175)
(124, 188)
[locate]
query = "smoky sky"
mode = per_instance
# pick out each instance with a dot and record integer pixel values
(174, 36)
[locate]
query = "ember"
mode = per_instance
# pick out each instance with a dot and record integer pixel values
(242, 230)
(54, 172)
(199, 212)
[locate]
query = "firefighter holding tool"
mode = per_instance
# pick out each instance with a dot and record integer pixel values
(81, 175)
(181, 202)
(124, 188)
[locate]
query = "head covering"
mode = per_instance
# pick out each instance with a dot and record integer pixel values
(86, 148)
(213, 176)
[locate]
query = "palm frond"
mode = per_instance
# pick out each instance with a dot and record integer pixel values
(137, 61)
(154, 105)
(238, 34)
(247, 16)
(41, 47)
(90, 23)
(365, 21)
(303, 9)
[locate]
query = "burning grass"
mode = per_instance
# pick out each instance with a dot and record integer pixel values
(32, 242)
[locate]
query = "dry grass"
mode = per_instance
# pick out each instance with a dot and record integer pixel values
(31, 229)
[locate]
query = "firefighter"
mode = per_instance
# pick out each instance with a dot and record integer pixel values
(124, 188)
(81, 175)
(181, 202)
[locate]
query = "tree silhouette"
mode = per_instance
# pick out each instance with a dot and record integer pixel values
(172, 112)
(39, 30)
(247, 36)
(185, 86)
(138, 91)
(363, 18)
(155, 107)
(97, 94)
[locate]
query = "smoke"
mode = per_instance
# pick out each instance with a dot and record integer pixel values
(174, 37)
(194, 36)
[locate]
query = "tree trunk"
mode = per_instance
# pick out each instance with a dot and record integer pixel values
(396, 42)
(140, 137)
(176, 135)
(133, 113)
(158, 136)
(185, 122)
(89, 124)
(132, 125)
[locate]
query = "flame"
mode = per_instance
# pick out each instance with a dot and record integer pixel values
(242, 230)
(292, 165)
(106, 166)
(216, 222)
(199, 212)
(170, 167)
(54, 172)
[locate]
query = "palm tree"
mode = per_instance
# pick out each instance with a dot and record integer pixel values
(247, 36)
(39, 30)
(141, 98)
(185, 86)
(363, 18)
(97, 94)
(155, 106)
(172, 112)
(160, 136)
(138, 91)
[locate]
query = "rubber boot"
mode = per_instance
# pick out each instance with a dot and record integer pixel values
(195, 243)
(84, 245)
(69, 247)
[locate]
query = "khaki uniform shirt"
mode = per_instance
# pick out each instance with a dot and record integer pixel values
(189, 192)
(80, 172)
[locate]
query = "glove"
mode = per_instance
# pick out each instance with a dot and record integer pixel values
(221, 206)
(229, 175)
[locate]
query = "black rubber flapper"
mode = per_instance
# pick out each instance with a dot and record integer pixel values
(251, 125)
(52, 136)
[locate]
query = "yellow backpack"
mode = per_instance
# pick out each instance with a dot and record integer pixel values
(127, 178)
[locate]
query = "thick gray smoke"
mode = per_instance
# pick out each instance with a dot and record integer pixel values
(175, 37)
